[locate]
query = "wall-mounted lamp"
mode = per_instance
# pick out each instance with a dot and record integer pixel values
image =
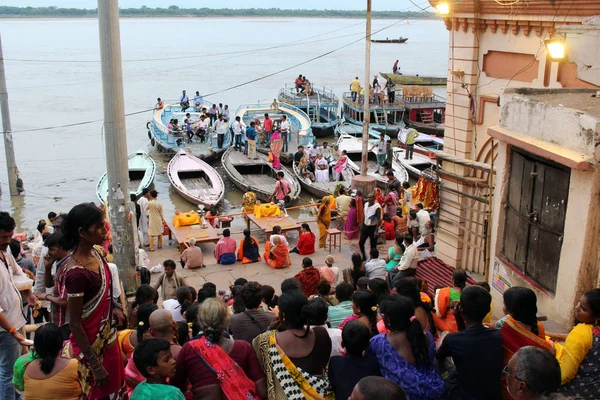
(556, 48)
(443, 8)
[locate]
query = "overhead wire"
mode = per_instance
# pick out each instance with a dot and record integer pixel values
(226, 89)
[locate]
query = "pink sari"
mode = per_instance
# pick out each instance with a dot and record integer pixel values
(341, 164)
(351, 227)
(276, 146)
(96, 320)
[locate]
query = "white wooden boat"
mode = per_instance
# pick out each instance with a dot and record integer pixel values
(195, 180)
(357, 131)
(424, 143)
(256, 176)
(353, 147)
(418, 166)
(141, 175)
(319, 189)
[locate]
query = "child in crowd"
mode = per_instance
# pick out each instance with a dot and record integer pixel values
(389, 227)
(154, 360)
(324, 289)
(346, 371)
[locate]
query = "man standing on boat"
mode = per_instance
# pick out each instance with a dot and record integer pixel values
(395, 67)
(354, 89)
(411, 135)
(220, 129)
(251, 140)
(380, 152)
(184, 101)
(284, 130)
(267, 129)
(237, 133)
(390, 86)
(282, 188)
(143, 202)
(198, 101)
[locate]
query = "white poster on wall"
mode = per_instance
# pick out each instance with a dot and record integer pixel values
(500, 278)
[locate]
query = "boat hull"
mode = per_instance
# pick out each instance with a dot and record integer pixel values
(256, 176)
(142, 170)
(318, 189)
(195, 180)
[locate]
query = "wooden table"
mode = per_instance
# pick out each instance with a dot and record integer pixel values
(184, 233)
(266, 224)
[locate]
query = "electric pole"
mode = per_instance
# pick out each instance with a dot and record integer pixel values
(7, 130)
(367, 97)
(116, 142)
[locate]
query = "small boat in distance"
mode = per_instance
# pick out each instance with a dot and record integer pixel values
(141, 175)
(256, 176)
(415, 79)
(321, 106)
(195, 180)
(399, 40)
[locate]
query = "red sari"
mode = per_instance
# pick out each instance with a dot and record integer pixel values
(309, 279)
(96, 320)
(233, 381)
(515, 336)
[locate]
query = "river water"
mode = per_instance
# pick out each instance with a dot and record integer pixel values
(53, 78)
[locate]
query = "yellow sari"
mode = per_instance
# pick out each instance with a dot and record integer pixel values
(324, 220)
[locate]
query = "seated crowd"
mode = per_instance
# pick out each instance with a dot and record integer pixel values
(359, 332)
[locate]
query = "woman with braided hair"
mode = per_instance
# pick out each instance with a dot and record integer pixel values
(216, 365)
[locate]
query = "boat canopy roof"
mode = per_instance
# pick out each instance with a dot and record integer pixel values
(322, 96)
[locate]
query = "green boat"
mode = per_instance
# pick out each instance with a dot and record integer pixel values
(415, 80)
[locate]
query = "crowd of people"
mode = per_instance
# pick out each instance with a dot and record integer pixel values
(377, 92)
(360, 332)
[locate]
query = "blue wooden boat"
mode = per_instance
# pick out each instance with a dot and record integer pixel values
(172, 143)
(300, 125)
(386, 118)
(321, 105)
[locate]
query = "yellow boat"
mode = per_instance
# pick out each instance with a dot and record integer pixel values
(415, 80)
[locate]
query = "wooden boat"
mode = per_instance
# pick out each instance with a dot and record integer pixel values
(195, 180)
(256, 176)
(319, 189)
(167, 142)
(419, 165)
(321, 106)
(300, 124)
(415, 79)
(399, 40)
(353, 147)
(424, 143)
(357, 131)
(385, 118)
(141, 175)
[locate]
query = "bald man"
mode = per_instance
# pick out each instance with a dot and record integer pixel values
(162, 326)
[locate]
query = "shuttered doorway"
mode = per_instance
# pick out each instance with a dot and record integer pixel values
(536, 205)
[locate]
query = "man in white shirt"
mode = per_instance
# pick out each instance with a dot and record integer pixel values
(375, 267)
(143, 202)
(408, 262)
(238, 129)
(380, 152)
(277, 233)
(326, 152)
(184, 101)
(198, 102)
(423, 217)
(11, 309)
(285, 131)
(226, 113)
(370, 225)
(220, 129)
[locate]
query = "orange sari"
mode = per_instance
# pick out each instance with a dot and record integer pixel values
(277, 257)
(515, 336)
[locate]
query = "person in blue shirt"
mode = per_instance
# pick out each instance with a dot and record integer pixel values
(198, 101)
(184, 101)
(251, 140)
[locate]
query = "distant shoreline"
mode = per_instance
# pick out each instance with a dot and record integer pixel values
(50, 17)
(7, 12)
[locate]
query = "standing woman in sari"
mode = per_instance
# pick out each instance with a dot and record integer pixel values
(323, 220)
(360, 208)
(342, 169)
(92, 310)
(294, 360)
(276, 146)
(352, 226)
